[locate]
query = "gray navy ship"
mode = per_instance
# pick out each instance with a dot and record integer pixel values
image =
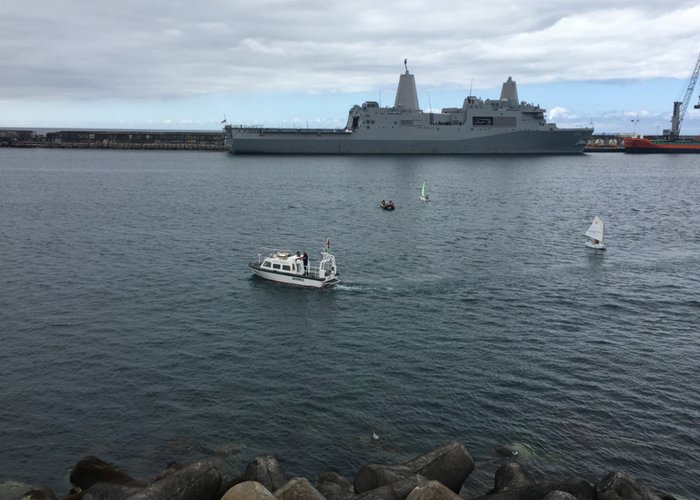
(503, 126)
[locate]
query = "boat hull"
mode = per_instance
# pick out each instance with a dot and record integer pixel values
(595, 246)
(288, 279)
(341, 142)
(639, 145)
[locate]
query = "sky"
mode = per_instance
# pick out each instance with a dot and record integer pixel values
(175, 65)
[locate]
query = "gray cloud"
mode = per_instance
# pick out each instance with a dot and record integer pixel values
(75, 49)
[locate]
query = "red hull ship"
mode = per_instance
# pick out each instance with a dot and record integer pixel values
(662, 145)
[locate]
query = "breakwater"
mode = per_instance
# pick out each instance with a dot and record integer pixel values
(439, 474)
(115, 139)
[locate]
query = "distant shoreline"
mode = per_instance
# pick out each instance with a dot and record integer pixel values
(179, 140)
(114, 139)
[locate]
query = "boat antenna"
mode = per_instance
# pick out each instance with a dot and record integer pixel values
(405, 64)
(471, 84)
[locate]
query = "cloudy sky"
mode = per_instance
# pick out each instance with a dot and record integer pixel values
(160, 64)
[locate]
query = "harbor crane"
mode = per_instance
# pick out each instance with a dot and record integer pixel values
(679, 107)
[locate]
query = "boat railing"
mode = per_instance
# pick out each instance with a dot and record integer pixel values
(312, 272)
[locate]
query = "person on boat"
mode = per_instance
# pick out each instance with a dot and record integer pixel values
(391, 203)
(383, 204)
(305, 259)
(594, 241)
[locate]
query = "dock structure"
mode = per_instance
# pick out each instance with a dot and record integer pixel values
(115, 139)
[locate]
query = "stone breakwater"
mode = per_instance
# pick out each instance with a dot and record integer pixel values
(436, 475)
(118, 139)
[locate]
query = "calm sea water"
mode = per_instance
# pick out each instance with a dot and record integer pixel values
(132, 329)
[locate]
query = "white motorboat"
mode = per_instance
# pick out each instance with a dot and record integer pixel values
(283, 266)
(595, 233)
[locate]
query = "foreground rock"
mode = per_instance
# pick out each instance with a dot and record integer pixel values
(334, 486)
(512, 482)
(395, 491)
(298, 488)
(97, 480)
(449, 464)
(39, 494)
(267, 471)
(436, 475)
(559, 495)
(511, 477)
(91, 470)
(248, 490)
(200, 480)
(432, 490)
(618, 486)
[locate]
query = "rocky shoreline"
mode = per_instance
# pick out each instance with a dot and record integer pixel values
(438, 474)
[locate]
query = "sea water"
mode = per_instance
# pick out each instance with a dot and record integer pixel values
(131, 327)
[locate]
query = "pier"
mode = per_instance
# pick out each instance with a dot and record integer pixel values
(114, 139)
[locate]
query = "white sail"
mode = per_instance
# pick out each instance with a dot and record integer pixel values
(596, 230)
(423, 195)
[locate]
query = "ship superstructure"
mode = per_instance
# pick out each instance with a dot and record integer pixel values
(503, 126)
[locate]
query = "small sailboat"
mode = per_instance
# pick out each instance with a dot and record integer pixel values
(595, 233)
(424, 194)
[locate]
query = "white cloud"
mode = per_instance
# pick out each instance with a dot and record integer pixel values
(156, 48)
(87, 51)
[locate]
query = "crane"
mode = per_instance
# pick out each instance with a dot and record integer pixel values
(679, 107)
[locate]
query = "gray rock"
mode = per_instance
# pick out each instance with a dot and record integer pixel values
(298, 488)
(333, 486)
(91, 470)
(201, 481)
(618, 486)
(169, 469)
(248, 490)
(559, 495)
(39, 494)
(372, 476)
(578, 488)
(449, 464)
(267, 471)
(432, 490)
(395, 491)
(106, 491)
(511, 477)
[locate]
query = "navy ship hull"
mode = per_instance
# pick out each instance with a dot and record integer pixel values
(338, 142)
(503, 126)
